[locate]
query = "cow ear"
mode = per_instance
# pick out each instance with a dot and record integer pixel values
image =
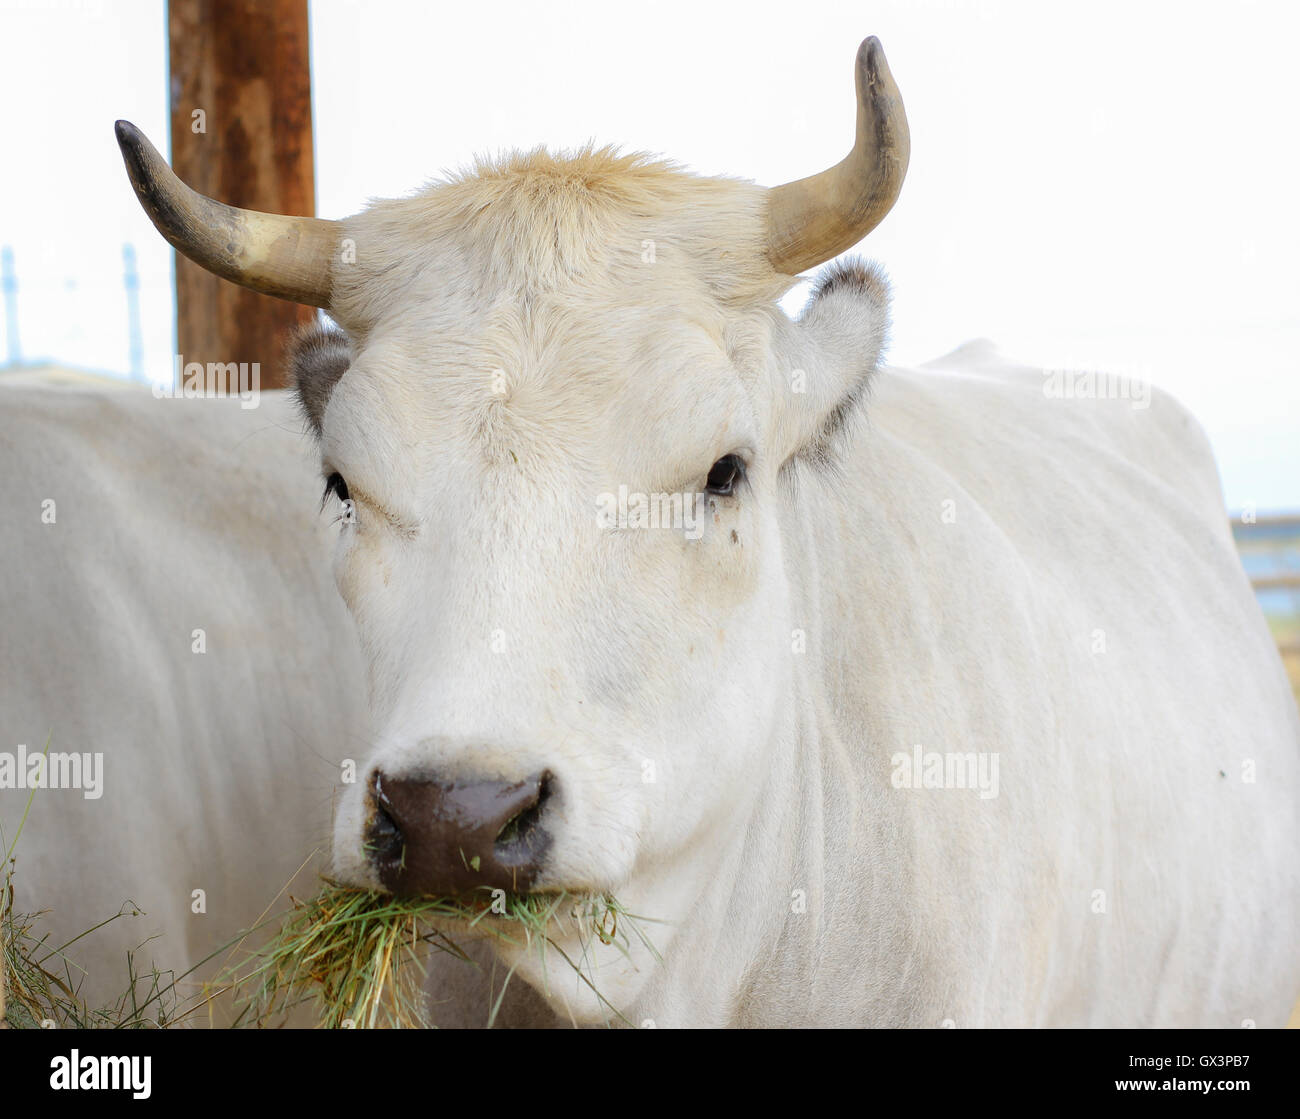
(825, 362)
(317, 356)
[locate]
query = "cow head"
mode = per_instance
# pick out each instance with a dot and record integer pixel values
(562, 426)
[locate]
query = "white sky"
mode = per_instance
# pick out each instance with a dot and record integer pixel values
(1092, 185)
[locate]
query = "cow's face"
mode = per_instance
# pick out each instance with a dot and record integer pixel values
(561, 434)
(559, 515)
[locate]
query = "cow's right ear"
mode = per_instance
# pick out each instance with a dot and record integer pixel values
(317, 356)
(825, 361)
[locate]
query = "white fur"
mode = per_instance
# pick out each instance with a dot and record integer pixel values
(220, 767)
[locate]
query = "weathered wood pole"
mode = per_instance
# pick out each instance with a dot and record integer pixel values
(240, 77)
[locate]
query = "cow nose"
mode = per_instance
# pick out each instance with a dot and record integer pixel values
(431, 836)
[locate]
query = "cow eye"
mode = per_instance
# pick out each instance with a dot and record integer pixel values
(725, 475)
(335, 485)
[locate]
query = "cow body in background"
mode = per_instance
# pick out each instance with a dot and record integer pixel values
(167, 604)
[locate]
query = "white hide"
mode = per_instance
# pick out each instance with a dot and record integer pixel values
(220, 767)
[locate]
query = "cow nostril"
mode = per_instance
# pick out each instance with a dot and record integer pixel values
(383, 834)
(519, 829)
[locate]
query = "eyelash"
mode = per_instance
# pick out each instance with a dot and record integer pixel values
(335, 485)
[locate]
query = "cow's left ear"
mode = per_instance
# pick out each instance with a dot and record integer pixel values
(317, 354)
(825, 361)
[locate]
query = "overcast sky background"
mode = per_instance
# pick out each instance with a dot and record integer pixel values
(1108, 185)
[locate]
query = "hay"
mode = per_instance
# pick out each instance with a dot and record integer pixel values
(358, 957)
(353, 958)
(40, 983)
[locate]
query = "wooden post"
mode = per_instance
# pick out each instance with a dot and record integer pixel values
(240, 133)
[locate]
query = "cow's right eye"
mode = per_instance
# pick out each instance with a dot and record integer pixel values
(335, 485)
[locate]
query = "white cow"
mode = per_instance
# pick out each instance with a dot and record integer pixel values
(918, 696)
(167, 606)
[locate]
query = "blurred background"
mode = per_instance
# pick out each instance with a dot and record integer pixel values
(1093, 185)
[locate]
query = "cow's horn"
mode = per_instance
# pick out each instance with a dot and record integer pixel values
(277, 255)
(814, 219)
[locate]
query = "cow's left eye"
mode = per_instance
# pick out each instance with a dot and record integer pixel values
(725, 475)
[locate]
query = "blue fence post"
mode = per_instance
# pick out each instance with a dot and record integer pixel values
(9, 281)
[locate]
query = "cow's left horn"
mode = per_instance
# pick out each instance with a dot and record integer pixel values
(283, 256)
(814, 219)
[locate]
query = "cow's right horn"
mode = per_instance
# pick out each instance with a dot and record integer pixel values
(283, 256)
(814, 219)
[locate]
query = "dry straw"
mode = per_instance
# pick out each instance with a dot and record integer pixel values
(359, 957)
(356, 958)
